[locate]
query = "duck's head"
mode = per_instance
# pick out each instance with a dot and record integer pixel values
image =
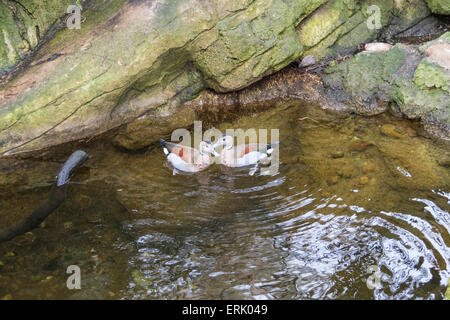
(206, 147)
(226, 141)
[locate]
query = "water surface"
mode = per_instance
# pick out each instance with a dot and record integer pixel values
(349, 194)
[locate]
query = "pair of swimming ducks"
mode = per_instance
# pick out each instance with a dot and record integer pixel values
(187, 159)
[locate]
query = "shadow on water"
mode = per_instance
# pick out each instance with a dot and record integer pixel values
(350, 193)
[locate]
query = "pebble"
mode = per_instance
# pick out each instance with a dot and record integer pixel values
(337, 154)
(445, 161)
(377, 47)
(333, 180)
(359, 145)
(392, 131)
(307, 61)
(345, 171)
(368, 167)
(363, 180)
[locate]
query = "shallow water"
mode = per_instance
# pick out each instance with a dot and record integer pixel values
(346, 197)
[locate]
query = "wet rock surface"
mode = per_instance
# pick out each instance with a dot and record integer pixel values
(165, 53)
(412, 81)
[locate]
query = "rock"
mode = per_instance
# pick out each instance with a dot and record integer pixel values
(333, 180)
(23, 24)
(337, 154)
(359, 145)
(134, 60)
(363, 180)
(345, 171)
(391, 131)
(444, 161)
(403, 79)
(439, 53)
(368, 167)
(439, 6)
(361, 81)
(307, 61)
(377, 47)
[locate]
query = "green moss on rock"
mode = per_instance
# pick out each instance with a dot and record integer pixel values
(366, 78)
(439, 6)
(401, 77)
(431, 75)
(22, 25)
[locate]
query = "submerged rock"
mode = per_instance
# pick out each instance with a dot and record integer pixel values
(337, 154)
(391, 131)
(359, 145)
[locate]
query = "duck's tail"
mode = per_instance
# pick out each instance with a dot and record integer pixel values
(164, 146)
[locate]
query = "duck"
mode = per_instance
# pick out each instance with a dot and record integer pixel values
(187, 159)
(245, 154)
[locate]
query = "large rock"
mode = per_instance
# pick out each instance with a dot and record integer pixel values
(23, 24)
(415, 78)
(337, 27)
(135, 59)
(439, 6)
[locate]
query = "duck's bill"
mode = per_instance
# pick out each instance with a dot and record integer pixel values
(215, 154)
(217, 144)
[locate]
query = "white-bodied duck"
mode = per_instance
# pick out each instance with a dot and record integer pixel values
(188, 159)
(245, 154)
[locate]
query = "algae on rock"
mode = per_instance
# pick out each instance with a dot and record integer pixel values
(23, 24)
(439, 6)
(413, 81)
(131, 59)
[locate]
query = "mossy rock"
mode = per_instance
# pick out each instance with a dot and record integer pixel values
(23, 24)
(366, 78)
(406, 81)
(430, 75)
(439, 6)
(340, 25)
(130, 59)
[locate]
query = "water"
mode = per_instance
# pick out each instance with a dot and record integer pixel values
(346, 197)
